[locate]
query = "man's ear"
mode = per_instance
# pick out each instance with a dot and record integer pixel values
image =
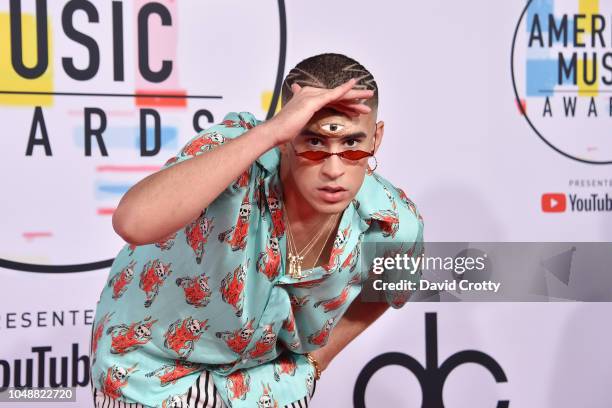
(380, 131)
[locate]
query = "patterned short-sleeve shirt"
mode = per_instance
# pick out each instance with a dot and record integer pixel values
(215, 294)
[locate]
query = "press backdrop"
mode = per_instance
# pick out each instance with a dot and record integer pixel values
(478, 134)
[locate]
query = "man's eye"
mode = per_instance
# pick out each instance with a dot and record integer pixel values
(332, 127)
(314, 142)
(351, 142)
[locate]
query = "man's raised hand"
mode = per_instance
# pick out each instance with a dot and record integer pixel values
(306, 101)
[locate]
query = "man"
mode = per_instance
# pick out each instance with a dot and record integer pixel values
(248, 249)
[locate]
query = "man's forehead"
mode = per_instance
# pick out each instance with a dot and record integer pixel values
(328, 122)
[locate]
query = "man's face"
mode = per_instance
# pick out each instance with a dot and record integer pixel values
(329, 185)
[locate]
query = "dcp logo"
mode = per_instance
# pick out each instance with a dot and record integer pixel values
(431, 377)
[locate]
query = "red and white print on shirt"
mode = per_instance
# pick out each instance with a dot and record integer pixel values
(238, 340)
(289, 323)
(294, 345)
(170, 373)
(352, 259)
(284, 365)
(196, 234)
(408, 202)
(399, 297)
(131, 249)
(236, 236)
(173, 401)
(337, 249)
(268, 262)
(242, 180)
(266, 400)
(310, 283)
(152, 277)
(297, 302)
(238, 123)
(238, 384)
(121, 280)
(98, 331)
(388, 220)
(166, 243)
(232, 288)
(265, 344)
(259, 195)
(170, 161)
(206, 141)
(181, 336)
(320, 337)
(116, 378)
(276, 212)
(126, 338)
(355, 280)
(197, 292)
(335, 302)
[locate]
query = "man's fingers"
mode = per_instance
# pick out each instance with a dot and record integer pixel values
(340, 90)
(357, 94)
(353, 96)
(352, 105)
(360, 107)
(343, 98)
(350, 109)
(347, 112)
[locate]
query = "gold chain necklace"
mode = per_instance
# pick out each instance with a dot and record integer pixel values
(308, 246)
(324, 243)
(296, 257)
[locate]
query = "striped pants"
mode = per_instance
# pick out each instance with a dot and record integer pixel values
(202, 394)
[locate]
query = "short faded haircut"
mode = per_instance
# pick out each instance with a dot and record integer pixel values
(328, 71)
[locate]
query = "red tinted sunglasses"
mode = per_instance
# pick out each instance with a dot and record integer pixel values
(316, 155)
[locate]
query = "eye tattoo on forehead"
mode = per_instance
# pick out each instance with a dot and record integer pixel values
(332, 127)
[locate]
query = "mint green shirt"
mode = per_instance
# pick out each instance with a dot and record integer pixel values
(216, 294)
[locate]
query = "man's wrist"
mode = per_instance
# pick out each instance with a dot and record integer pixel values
(317, 367)
(263, 137)
(279, 131)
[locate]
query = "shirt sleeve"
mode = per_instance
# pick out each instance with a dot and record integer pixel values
(410, 268)
(233, 125)
(393, 262)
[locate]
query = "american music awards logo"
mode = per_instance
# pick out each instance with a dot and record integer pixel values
(561, 65)
(95, 96)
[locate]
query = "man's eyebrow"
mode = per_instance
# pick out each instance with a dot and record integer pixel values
(356, 135)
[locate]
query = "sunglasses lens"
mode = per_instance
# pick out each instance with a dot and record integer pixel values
(354, 154)
(314, 155)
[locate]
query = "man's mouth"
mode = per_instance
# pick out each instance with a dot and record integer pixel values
(331, 189)
(332, 194)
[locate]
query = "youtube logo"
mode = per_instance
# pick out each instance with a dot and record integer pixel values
(553, 202)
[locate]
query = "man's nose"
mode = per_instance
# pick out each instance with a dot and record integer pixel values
(333, 167)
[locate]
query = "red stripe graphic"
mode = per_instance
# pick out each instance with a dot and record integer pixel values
(179, 101)
(37, 234)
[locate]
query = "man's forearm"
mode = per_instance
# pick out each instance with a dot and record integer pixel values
(356, 319)
(167, 200)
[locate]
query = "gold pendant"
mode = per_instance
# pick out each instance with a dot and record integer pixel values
(295, 266)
